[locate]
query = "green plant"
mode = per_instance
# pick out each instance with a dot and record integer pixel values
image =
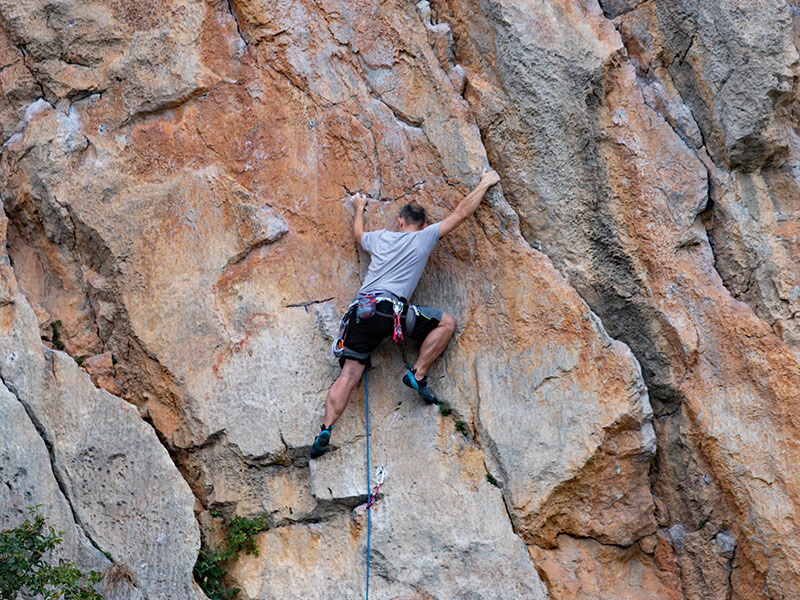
(22, 564)
(490, 478)
(80, 359)
(56, 340)
(241, 535)
(461, 427)
(445, 410)
(209, 570)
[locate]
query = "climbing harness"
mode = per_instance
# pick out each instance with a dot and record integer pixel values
(380, 475)
(366, 307)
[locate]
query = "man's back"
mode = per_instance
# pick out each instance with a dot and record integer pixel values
(397, 259)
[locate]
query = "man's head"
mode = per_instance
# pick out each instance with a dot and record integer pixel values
(412, 217)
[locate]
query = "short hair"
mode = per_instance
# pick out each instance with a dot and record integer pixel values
(413, 214)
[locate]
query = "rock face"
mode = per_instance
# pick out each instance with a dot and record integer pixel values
(95, 467)
(623, 379)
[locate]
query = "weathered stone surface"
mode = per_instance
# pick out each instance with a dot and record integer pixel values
(17, 85)
(29, 481)
(121, 485)
(754, 224)
(734, 64)
(623, 225)
(439, 527)
(178, 222)
(583, 568)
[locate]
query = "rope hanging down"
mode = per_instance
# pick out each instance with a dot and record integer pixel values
(380, 474)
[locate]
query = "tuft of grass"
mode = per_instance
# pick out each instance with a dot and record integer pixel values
(490, 478)
(445, 410)
(461, 427)
(209, 570)
(118, 577)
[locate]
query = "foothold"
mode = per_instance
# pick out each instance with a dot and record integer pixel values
(676, 534)
(726, 544)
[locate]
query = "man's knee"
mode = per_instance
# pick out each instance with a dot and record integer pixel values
(351, 373)
(448, 322)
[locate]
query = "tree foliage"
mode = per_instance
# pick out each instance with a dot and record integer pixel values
(23, 564)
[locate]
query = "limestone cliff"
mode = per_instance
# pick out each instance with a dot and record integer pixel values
(176, 249)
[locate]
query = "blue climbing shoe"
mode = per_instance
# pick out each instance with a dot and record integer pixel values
(320, 445)
(421, 387)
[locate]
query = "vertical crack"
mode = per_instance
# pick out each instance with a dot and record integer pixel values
(40, 429)
(236, 20)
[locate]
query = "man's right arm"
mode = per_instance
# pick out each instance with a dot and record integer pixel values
(469, 204)
(359, 202)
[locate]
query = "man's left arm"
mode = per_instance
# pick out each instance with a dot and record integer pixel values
(469, 204)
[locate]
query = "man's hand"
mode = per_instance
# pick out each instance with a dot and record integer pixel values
(359, 201)
(489, 177)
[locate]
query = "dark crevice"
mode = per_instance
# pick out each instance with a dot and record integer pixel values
(398, 114)
(241, 256)
(612, 12)
(162, 109)
(308, 303)
(405, 193)
(236, 20)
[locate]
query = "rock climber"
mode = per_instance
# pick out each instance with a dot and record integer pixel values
(380, 309)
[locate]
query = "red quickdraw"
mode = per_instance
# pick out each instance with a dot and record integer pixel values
(380, 474)
(398, 328)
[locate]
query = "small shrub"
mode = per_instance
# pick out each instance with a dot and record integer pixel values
(22, 564)
(241, 535)
(490, 478)
(56, 339)
(461, 427)
(209, 570)
(445, 410)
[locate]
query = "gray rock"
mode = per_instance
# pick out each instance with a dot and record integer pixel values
(733, 62)
(122, 487)
(726, 544)
(676, 533)
(27, 480)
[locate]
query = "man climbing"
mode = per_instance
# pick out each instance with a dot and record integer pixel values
(397, 259)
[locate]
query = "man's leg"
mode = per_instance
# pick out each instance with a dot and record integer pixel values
(339, 392)
(433, 345)
(335, 403)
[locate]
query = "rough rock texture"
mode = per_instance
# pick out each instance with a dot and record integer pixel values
(622, 219)
(175, 178)
(95, 467)
(29, 481)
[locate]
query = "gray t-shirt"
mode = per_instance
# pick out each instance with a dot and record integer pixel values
(397, 259)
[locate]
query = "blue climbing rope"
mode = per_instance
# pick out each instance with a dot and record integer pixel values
(369, 488)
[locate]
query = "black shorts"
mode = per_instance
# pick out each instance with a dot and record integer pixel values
(363, 337)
